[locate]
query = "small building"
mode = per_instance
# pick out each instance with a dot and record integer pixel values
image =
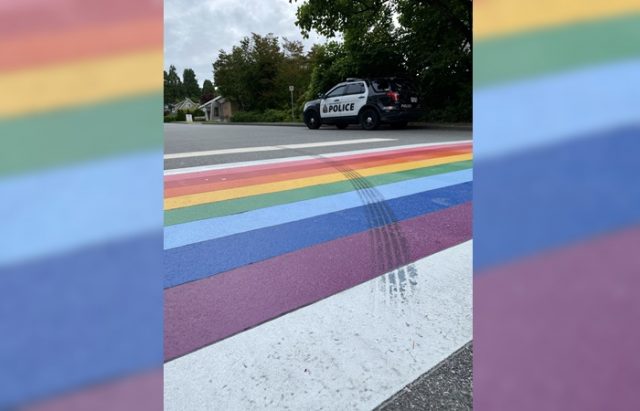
(218, 109)
(187, 105)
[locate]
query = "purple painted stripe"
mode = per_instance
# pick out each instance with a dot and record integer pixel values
(559, 331)
(139, 392)
(205, 311)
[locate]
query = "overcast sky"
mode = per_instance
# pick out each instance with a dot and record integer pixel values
(195, 30)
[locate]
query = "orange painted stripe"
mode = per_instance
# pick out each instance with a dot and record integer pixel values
(303, 173)
(352, 161)
(80, 43)
(199, 177)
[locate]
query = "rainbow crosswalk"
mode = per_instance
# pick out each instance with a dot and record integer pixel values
(80, 171)
(555, 137)
(251, 242)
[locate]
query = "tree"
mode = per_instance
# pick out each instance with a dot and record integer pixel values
(208, 91)
(443, 65)
(231, 73)
(258, 71)
(428, 41)
(172, 86)
(191, 88)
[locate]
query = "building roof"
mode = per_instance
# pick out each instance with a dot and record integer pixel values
(218, 99)
(184, 102)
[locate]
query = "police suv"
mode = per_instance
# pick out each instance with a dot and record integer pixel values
(368, 102)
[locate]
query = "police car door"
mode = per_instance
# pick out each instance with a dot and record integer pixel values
(331, 102)
(354, 98)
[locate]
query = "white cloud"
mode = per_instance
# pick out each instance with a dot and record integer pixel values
(196, 30)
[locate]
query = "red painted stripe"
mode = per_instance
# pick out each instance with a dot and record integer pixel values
(25, 18)
(220, 183)
(202, 312)
(549, 326)
(176, 180)
(80, 43)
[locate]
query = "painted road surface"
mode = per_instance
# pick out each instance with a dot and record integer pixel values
(312, 269)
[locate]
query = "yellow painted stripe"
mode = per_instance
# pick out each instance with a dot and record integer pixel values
(80, 82)
(499, 17)
(231, 193)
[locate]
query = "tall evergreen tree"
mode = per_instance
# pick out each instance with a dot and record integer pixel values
(208, 91)
(172, 86)
(191, 88)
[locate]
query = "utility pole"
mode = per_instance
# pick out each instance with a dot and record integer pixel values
(293, 117)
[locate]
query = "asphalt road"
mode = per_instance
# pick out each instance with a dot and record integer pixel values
(293, 284)
(447, 386)
(180, 138)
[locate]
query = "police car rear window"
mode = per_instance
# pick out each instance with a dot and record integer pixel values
(381, 85)
(404, 86)
(401, 86)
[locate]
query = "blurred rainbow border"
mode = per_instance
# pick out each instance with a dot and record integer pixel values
(81, 211)
(556, 215)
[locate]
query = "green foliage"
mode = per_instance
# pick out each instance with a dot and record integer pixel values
(208, 92)
(176, 89)
(181, 115)
(257, 73)
(190, 86)
(172, 86)
(169, 118)
(430, 43)
(267, 116)
(427, 41)
(442, 66)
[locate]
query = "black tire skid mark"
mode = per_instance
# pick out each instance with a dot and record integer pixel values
(388, 243)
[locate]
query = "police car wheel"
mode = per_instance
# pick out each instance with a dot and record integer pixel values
(312, 120)
(369, 119)
(342, 126)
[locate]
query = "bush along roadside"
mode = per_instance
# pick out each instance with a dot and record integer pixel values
(268, 116)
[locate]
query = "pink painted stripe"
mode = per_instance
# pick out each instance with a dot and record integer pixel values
(200, 313)
(560, 330)
(235, 171)
(139, 392)
(26, 18)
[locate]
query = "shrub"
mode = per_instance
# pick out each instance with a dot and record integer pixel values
(246, 117)
(268, 116)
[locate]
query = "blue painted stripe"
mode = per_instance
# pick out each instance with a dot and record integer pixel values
(554, 108)
(546, 198)
(200, 260)
(60, 210)
(204, 230)
(81, 318)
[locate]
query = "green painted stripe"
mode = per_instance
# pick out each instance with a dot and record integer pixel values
(240, 205)
(80, 133)
(536, 53)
